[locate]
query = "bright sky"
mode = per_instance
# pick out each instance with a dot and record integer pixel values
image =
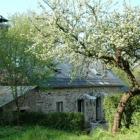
(9, 7)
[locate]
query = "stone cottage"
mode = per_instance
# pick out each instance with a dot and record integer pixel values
(62, 94)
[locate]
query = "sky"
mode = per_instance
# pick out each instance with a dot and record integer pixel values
(10, 7)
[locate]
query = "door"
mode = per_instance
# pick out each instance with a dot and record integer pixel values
(80, 105)
(98, 108)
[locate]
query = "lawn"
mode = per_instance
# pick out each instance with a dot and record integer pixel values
(42, 133)
(38, 133)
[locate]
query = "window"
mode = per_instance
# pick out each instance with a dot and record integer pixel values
(1, 110)
(59, 106)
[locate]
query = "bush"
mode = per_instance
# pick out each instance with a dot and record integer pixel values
(6, 118)
(136, 119)
(110, 105)
(62, 121)
(131, 114)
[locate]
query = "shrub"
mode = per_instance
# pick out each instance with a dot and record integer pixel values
(62, 121)
(131, 114)
(110, 105)
(6, 118)
(136, 119)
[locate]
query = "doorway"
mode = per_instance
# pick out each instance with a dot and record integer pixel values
(80, 105)
(98, 108)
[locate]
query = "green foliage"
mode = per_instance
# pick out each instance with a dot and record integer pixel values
(38, 133)
(122, 75)
(43, 133)
(110, 105)
(8, 132)
(62, 121)
(137, 71)
(136, 119)
(19, 63)
(124, 134)
(136, 109)
(6, 118)
(131, 116)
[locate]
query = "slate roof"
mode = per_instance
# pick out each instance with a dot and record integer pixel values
(6, 93)
(68, 83)
(63, 79)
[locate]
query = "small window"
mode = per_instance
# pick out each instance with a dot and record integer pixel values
(23, 110)
(59, 106)
(1, 110)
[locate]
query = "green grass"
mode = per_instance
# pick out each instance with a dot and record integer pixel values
(124, 134)
(38, 133)
(42, 133)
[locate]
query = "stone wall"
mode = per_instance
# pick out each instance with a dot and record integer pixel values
(45, 100)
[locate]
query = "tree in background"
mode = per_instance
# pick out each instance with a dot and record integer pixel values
(19, 65)
(97, 30)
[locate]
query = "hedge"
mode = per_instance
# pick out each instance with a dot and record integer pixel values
(62, 121)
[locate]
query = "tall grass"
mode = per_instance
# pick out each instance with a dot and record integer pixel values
(38, 133)
(125, 134)
(42, 133)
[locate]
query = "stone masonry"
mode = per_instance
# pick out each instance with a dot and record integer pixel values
(66, 100)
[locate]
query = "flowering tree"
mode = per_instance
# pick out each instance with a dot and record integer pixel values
(98, 30)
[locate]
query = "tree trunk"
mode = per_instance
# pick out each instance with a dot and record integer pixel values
(121, 107)
(135, 90)
(16, 100)
(18, 112)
